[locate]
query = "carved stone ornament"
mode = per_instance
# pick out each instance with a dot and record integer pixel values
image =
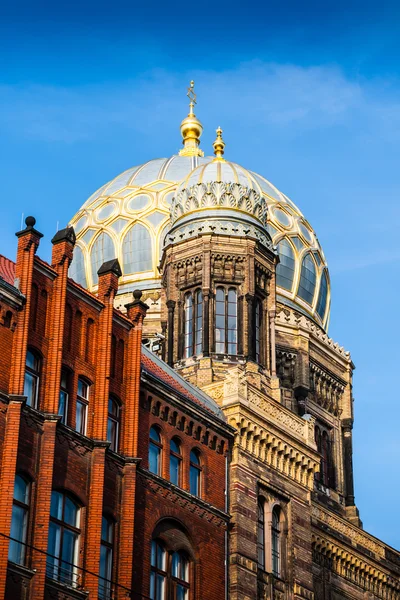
(218, 194)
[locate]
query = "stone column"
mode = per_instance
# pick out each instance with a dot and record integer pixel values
(206, 323)
(273, 342)
(250, 326)
(170, 343)
(347, 427)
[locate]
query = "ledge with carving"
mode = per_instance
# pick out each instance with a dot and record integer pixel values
(176, 495)
(359, 539)
(296, 461)
(287, 316)
(355, 566)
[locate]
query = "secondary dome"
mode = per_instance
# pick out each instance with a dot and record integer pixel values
(130, 217)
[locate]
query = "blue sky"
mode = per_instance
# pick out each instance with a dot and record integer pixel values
(307, 94)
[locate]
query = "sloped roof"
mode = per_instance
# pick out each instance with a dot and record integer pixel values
(7, 269)
(165, 374)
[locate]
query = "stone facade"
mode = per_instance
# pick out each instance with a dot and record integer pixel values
(287, 391)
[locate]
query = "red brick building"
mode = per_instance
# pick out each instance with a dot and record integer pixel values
(106, 452)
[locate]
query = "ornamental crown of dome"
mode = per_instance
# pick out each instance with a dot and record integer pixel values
(136, 214)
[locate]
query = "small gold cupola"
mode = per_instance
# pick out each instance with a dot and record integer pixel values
(191, 128)
(219, 145)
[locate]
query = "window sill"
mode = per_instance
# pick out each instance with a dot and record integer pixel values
(67, 590)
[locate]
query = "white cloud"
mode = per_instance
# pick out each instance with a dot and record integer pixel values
(282, 96)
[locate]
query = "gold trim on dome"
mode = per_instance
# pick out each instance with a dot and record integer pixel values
(219, 145)
(191, 128)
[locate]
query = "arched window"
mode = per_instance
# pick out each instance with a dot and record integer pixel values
(286, 266)
(137, 250)
(322, 296)
(261, 535)
(175, 462)
(195, 473)
(226, 321)
(113, 423)
(89, 340)
(82, 402)
(19, 522)
(102, 250)
(258, 330)
(63, 539)
(155, 449)
(77, 270)
(323, 443)
(276, 542)
(32, 378)
(64, 395)
(307, 279)
(169, 573)
(106, 559)
(325, 450)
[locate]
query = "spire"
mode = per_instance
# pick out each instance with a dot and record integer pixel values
(219, 145)
(191, 128)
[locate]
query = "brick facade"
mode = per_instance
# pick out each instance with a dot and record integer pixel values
(78, 336)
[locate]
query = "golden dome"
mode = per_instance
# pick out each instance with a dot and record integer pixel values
(130, 218)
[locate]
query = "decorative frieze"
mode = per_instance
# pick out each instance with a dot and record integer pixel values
(326, 389)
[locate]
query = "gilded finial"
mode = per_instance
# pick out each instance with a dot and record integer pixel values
(219, 145)
(191, 128)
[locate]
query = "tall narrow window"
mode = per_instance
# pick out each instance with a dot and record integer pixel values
(261, 535)
(188, 325)
(158, 577)
(82, 401)
(275, 542)
(195, 473)
(232, 321)
(63, 539)
(32, 378)
(193, 323)
(175, 462)
(258, 326)
(198, 342)
(220, 317)
(226, 321)
(113, 423)
(19, 522)
(325, 450)
(180, 576)
(286, 267)
(106, 559)
(155, 448)
(63, 401)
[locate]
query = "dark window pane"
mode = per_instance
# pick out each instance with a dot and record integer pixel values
(154, 458)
